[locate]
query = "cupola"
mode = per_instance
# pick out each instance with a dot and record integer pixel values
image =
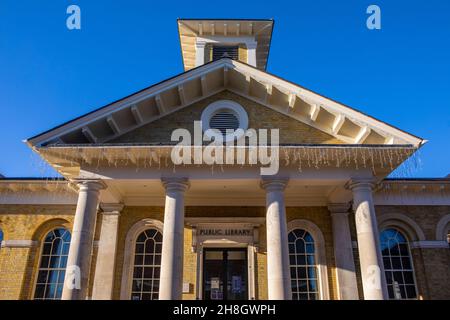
(206, 40)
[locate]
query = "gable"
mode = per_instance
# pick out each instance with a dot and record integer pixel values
(260, 117)
(114, 121)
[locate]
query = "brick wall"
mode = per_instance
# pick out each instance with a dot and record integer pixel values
(18, 266)
(260, 117)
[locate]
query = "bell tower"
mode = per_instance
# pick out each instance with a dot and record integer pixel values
(206, 40)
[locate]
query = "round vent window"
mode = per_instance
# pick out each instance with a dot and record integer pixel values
(225, 115)
(223, 120)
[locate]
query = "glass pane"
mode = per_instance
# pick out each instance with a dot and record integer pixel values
(53, 277)
(291, 237)
(150, 233)
(236, 255)
(213, 255)
(138, 259)
(300, 246)
(149, 246)
(411, 292)
(301, 273)
(139, 248)
(141, 238)
(148, 272)
(42, 276)
(310, 248)
(301, 260)
(158, 237)
(47, 248)
(40, 290)
(156, 272)
(406, 263)
(148, 259)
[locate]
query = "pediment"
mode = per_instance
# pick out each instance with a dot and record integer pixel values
(291, 131)
(170, 102)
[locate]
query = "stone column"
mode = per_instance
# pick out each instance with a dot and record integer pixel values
(106, 255)
(251, 53)
(79, 259)
(343, 252)
(200, 53)
(372, 270)
(171, 279)
(278, 273)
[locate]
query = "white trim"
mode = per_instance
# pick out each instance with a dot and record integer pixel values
(443, 227)
(320, 250)
(128, 256)
(226, 105)
(402, 222)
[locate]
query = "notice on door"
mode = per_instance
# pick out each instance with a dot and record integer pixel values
(215, 283)
(236, 284)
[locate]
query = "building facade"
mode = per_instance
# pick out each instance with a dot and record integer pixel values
(225, 182)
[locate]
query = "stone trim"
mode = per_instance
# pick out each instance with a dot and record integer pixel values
(404, 223)
(429, 244)
(19, 244)
(442, 228)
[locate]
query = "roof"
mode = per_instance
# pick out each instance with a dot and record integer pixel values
(337, 119)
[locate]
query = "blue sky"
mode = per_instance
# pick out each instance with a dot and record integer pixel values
(48, 74)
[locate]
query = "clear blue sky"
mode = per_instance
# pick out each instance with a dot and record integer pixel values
(49, 75)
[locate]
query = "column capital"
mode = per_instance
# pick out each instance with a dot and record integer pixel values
(200, 44)
(338, 208)
(175, 184)
(89, 184)
(360, 184)
(275, 184)
(111, 208)
(251, 44)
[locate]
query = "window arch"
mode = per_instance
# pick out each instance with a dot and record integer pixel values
(398, 265)
(303, 267)
(52, 265)
(147, 265)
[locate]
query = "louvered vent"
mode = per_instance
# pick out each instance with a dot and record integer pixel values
(224, 120)
(231, 52)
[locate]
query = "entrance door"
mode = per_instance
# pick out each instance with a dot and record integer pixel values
(225, 274)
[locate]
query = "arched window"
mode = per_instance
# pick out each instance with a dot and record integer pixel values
(1, 238)
(147, 265)
(52, 266)
(397, 265)
(302, 261)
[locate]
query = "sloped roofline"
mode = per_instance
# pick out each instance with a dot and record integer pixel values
(210, 66)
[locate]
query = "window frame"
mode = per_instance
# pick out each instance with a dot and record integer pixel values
(412, 269)
(143, 266)
(39, 260)
(130, 251)
(319, 254)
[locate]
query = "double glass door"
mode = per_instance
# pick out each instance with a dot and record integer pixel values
(225, 274)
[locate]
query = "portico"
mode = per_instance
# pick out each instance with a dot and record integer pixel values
(335, 188)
